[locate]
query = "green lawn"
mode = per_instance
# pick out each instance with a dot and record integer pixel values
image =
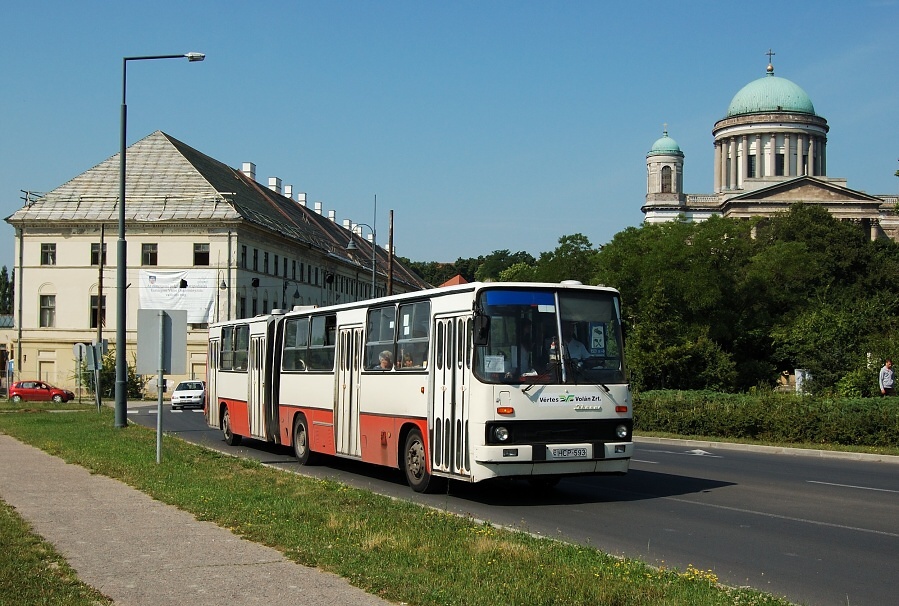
(391, 548)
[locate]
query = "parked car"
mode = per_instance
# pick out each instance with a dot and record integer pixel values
(189, 394)
(38, 391)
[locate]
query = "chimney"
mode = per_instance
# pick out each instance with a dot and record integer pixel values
(274, 184)
(288, 191)
(301, 198)
(249, 169)
(318, 207)
(346, 224)
(332, 214)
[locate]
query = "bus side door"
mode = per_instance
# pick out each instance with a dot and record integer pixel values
(212, 371)
(346, 396)
(256, 386)
(448, 413)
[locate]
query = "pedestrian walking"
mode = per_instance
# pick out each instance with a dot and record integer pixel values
(887, 383)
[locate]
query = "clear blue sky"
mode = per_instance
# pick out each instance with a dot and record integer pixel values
(484, 125)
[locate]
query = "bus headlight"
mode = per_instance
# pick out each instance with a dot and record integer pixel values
(501, 434)
(621, 431)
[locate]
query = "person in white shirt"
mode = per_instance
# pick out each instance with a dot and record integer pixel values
(887, 379)
(574, 349)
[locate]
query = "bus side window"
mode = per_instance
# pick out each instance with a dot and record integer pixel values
(296, 343)
(227, 351)
(321, 343)
(241, 346)
(379, 336)
(412, 340)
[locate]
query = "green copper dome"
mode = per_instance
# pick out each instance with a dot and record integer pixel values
(665, 146)
(770, 94)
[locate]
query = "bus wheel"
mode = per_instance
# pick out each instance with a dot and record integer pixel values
(301, 449)
(231, 438)
(415, 464)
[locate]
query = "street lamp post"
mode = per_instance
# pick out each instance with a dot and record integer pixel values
(352, 246)
(296, 293)
(121, 368)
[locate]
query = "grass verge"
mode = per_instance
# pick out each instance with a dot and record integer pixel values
(395, 549)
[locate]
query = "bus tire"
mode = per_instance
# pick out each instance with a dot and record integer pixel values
(231, 438)
(301, 449)
(415, 464)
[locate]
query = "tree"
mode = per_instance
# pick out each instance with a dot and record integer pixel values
(574, 259)
(492, 266)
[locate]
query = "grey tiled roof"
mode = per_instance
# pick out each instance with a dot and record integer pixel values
(169, 181)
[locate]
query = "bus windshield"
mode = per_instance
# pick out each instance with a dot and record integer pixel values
(551, 336)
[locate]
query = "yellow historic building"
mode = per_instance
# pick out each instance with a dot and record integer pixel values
(201, 236)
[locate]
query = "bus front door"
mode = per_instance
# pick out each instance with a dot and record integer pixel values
(448, 413)
(346, 396)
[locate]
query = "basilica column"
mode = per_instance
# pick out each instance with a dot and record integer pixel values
(744, 159)
(717, 171)
(788, 138)
(801, 157)
(732, 177)
(758, 155)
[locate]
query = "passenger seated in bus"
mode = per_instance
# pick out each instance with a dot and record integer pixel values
(385, 360)
(407, 361)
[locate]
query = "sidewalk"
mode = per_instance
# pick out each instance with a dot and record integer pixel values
(139, 551)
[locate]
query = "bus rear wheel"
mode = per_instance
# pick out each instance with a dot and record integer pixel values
(301, 449)
(231, 438)
(415, 464)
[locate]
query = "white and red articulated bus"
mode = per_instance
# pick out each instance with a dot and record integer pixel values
(469, 382)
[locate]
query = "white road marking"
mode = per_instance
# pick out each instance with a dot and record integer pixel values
(782, 517)
(851, 486)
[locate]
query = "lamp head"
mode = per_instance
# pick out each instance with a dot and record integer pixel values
(352, 244)
(195, 56)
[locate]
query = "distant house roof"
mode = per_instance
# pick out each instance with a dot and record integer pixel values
(169, 181)
(455, 281)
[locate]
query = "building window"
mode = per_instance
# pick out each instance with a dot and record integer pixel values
(293, 266)
(243, 257)
(201, 254)
(48, 311)
(95, 254)
(255, 259)
(242, 308)
(48, 254)
(255, 306)
(265, 262)
(751, 167)
(93, 318)
(148, 254)
(275, 268)
(779, 165)
(666, 179)
(285, 267)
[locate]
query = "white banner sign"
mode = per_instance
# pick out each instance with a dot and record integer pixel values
(162, 289)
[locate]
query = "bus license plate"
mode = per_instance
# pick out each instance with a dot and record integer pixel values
(567, 453)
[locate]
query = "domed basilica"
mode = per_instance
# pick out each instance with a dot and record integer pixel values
(770, 152)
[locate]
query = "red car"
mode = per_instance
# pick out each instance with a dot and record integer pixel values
(38, 390)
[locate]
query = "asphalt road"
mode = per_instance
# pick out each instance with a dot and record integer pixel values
(820, 531)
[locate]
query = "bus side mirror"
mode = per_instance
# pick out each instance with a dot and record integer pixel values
(481, 329)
